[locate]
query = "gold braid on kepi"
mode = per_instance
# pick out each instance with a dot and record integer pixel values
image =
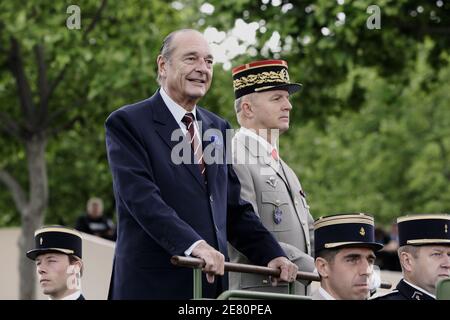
(262, 76)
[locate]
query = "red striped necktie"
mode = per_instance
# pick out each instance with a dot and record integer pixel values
(188, 120)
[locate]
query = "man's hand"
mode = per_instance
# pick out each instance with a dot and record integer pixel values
(215, 261)
(288, 270)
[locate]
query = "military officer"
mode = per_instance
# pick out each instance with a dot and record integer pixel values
(345, 254)
(59, 267)
(262, 91)
(424, 255)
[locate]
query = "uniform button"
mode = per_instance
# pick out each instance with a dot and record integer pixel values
(303, 223)
(296, 202)
(211, 198)
(277, 201)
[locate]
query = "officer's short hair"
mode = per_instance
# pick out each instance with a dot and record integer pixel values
(413, 250)
(238, 105)
(327, 254)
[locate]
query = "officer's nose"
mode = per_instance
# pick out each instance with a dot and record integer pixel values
(41, 269)
(446, 263)
(366, 268)
(287, 104)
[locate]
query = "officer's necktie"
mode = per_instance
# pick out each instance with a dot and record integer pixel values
(188, 120)
(275, 154)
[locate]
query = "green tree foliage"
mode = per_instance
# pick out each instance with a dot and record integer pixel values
(369, 130)
(323, 41)
(107, 63)
(391, 157)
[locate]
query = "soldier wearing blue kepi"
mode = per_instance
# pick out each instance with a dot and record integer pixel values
(345, 254)
(424, 255)
(59, 267)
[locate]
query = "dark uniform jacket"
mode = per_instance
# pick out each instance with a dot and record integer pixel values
(404, 291)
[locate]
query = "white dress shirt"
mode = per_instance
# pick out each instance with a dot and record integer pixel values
(178, 113)
(325, 294)
(73, 296)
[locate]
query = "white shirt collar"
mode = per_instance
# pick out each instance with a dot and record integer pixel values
(325, 294)
(420, 289)
(252, 133)
(73, 296)
(175, 109)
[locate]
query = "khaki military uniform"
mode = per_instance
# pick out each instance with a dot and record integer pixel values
(278, 199)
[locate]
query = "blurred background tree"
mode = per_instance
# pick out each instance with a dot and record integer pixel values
(369, 132)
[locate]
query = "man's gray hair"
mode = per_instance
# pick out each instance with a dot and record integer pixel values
(238, 105)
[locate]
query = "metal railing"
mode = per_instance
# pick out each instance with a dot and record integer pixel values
(197, 265)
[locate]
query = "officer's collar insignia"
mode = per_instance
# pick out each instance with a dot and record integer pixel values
(417, 295)
(362, 232)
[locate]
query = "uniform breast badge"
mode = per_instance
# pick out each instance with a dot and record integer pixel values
(277, 215)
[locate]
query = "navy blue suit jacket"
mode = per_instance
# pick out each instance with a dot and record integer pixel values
(163, 208)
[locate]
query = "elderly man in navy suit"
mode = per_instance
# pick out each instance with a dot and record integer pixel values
(170, 207)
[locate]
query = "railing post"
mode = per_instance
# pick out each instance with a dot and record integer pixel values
(197, 283)
(291, 287)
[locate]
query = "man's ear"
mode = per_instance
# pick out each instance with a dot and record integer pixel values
(323, 267)
(161, 62)
(406, 260)
(247, 109)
